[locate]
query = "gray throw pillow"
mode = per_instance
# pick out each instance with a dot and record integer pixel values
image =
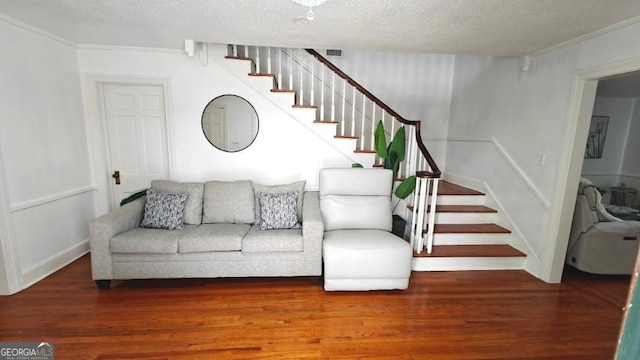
(279, 211)
(297, 187)
(193, 207)
(164, 210)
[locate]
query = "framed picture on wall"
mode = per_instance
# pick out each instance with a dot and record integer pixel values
(596, 137)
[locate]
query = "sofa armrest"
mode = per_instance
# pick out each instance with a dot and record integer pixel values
(312, 225)
(103, 228)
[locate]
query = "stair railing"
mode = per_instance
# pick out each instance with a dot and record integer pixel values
(342, 101)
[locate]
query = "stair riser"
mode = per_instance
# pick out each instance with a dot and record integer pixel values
(465, 218)
(460, 200)
(471, 239)
(464, 264)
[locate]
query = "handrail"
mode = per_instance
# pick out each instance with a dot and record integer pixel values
(435, 171)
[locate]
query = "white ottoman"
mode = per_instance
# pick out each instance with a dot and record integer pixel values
(361, 260)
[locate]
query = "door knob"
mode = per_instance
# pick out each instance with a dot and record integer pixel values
(116, 175)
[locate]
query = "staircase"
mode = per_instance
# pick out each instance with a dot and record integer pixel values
(465, 236)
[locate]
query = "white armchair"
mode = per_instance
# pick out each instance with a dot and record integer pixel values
(600, 243)
(359, 251)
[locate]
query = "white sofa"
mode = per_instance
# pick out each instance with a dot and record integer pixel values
(221, 236)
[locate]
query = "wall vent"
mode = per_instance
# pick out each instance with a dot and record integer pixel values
(334, 52)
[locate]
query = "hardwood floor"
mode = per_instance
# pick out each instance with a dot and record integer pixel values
(443, 315)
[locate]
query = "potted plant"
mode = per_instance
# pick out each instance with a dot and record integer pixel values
(393, 154)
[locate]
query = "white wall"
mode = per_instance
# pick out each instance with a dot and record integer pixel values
(527, 114)
(605, 171)
(630, 171)
(43, 142)
(284, 150)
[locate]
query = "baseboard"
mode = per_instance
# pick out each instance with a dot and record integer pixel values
(54, 263)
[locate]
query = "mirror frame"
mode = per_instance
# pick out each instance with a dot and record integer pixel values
(249, 108)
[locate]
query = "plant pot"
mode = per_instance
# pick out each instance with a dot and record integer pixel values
(398, 226)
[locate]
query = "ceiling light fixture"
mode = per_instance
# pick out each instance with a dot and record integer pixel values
(310, 4)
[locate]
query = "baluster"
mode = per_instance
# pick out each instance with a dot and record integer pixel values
(364, 106)
(301, 102)
(333, 96)
(258, 60)
(432, 216)
(279, 68)
(268, 60)
(234, 50)
(344, 101)
(322, 94)
(313, 75)
(410, 154)
(290, 69)
(373, 123)
(353, 113)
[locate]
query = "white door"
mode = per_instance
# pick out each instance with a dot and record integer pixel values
(137, 136)
(214, 125)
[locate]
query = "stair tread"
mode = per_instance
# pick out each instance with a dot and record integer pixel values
(470, 229)
(304, 106)
(325, 122)
(447, 188)
(472, 251)
(358, 151)
(238, 58)
(460, 209)
(464, 209)
(283, 91)
(262, 74)
(345, 137)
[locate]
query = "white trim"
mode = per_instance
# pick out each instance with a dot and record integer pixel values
(130, 48)
(493, 201)
(521, 174)
(54, 263)
(579, 39)
(51, 198)
(36, 30)
(563, 206)
(10, 259)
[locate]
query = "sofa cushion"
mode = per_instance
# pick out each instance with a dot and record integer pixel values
(257, 240)
(164, 210)
(258, 189)
(148, 241)
(213, 237)
(278, 211)
(193, 207)
(228, 202)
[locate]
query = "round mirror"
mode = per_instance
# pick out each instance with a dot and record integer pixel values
(230, 123)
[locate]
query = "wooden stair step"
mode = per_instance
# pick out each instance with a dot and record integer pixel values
(262, 74)
(470, 229)
(346, 137)
(304, 106)
(447, 188)
(283, 91)
(468, 251)
(459, 209)
(463, 209)
(359, 151)
(329, 122)
(238, 58)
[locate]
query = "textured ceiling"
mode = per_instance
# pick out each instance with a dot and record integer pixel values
(490, 27)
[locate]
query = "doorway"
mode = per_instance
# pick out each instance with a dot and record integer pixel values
(581, 109)
(137, 136)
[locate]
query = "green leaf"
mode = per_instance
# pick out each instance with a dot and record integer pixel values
(406, 187)
(398, 144)
(357, 165)
(380, 141)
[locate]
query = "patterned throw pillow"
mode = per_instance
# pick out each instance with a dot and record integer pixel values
(278, 211)
(164, 210)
